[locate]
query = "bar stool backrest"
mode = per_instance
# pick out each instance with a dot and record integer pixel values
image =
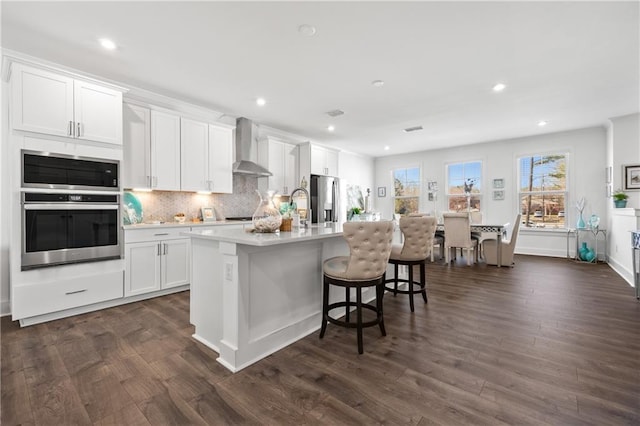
(370, 247)
(418, 232)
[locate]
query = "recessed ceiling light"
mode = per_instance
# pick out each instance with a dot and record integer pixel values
(307, 30)
(261, 102)
(499, 87)
(386, 148)
(107, 44)
(542, 123)
(331, 128)
(377, 83)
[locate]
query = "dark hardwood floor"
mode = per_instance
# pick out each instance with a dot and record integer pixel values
(547, 342)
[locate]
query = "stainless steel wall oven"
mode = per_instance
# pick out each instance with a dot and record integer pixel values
(62, 228)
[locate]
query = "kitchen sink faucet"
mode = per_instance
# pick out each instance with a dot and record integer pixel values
(305, 221)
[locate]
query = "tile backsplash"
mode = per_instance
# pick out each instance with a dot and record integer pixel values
(163, 205)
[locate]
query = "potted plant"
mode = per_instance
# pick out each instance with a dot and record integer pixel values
(620, 199)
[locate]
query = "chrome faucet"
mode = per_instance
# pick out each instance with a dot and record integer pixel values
(304, 221)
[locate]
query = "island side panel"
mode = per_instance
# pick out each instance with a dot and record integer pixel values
(206, 291)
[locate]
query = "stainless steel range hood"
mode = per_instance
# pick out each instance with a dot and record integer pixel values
(246, 149)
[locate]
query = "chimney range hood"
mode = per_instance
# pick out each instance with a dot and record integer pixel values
(246, 144)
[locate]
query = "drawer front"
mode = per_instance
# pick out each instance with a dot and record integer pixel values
(153, 234)
(44, 298)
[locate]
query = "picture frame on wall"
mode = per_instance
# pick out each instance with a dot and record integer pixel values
(432, 186)
(498, 195)
(498, 183)
(631, 177)
(208, 214)
(382, 191)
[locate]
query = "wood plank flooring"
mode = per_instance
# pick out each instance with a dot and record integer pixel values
(547, 342)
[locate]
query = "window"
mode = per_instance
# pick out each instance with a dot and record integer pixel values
(461, 176)
(543, 190)
(406, 194)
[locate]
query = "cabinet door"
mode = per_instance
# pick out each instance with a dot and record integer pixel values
(136, 165)
(142, 268)
(221, 159)
(194, 160)
(42, 101)
(176, 262)
(331, 163)
(318, 160)
(165, 151)
(98, 113)
(290, 167)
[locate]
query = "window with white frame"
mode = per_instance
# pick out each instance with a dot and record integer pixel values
(406, 193)
(464, 186)
(543, 190)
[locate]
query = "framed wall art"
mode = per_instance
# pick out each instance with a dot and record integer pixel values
(498, 183)
(382, 191)
(631, 177)
(208, 214)
(498, 195)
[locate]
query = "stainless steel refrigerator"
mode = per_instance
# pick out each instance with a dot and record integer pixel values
(325, 199)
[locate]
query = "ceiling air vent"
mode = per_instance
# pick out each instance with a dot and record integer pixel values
(335, 113)
(413, 129)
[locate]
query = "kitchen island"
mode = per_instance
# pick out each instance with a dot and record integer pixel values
(253, 294)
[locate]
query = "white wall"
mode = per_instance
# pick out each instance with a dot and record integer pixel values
(623, 147)
(586, 165)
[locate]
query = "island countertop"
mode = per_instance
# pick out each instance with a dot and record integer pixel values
(314, 232)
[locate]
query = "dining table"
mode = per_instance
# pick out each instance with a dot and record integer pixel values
(498, 230)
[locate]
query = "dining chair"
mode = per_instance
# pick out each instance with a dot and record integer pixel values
(438, 238)
(457, 230)
(418, 232)
(508, 247)
(369, 249)
(476, 218)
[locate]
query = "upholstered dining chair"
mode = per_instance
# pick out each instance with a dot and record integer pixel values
(418, 232)
(508, 247)
(475, 217)
(438, 238)
(457, 231)
(369, 246)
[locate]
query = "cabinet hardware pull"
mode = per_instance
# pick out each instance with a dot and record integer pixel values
(78, 135)
(75, 292)
(148, 180)
(166, 248)
(70, 128)
(163, 233)
(159, 249)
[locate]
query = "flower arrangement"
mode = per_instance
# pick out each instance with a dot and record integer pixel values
(468, 186)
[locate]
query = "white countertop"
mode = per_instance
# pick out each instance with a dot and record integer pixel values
(314, 232)
(186, 224)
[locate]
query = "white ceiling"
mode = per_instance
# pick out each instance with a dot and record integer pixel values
(574, 64)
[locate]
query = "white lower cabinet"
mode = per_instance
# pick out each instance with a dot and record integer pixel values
(162, 261)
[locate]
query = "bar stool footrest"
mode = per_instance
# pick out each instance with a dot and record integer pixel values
(350, 324)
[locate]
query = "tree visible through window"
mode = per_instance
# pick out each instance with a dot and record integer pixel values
(406, 193)
(543, 190)
(460, 176)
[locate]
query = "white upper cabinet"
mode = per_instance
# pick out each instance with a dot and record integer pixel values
(55, 104)
(165, 151)
(194, 146)
(136, 169)
(206, 157)
(324, 161)
(98, 113)
(281, 159)
(221, 159)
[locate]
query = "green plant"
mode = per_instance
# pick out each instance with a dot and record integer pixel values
(356, 210)
(619, 195)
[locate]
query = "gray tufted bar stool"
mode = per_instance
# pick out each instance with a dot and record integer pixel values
(418, 232)
(370, 246)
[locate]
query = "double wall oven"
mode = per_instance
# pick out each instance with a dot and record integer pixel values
(70, 209)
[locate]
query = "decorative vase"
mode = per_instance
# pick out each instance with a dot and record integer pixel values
(580, 224)
(589, 255)
(620, 204)
(582, 252)
(266, 218)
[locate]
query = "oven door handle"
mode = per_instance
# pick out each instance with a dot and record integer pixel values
(70, 206)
